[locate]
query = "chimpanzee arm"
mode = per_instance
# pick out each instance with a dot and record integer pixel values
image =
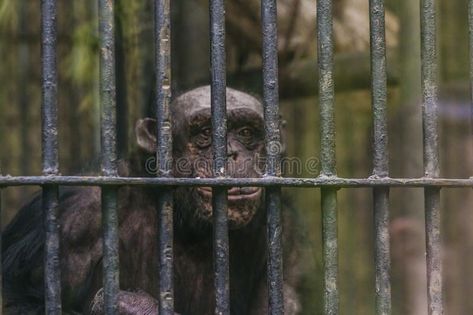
(81, 253)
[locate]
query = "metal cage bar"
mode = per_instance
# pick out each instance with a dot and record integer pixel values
(321, 181)
(470, 41)
(52, 277)
(219, 147)
(431, 154)
(164, 153)
(327, 181)
(380, 157)
(109, 156)
(273, 152)
(327, 154)
(1, 256)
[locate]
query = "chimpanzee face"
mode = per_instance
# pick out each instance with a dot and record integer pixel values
(245, 147)
(192, 152)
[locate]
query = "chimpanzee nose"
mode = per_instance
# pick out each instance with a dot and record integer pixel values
(232, 152)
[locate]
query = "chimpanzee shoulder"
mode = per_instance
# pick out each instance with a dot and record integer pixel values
(23, 245)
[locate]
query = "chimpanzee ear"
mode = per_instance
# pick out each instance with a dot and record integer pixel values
(145, 131)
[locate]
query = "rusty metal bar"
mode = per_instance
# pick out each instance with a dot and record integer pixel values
(273, 151)
(164, 153)
(52, 276)
(1, 258)
(470, 33)
(109, 156)
(381, 157)
(382, 250)
(219, 147)
(327, 154)
(431, 154)
(322, 181)
(1, 246)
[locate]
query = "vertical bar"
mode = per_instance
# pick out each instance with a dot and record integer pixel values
(273, 151)
(164, 153)
(330, 250)
(109, 155)
(219, 147)
(52, 277)
(434, 262)
(470, 33)
(1, 265)
(382, 250)
(381, 157)
(327, 149)
(431, 154)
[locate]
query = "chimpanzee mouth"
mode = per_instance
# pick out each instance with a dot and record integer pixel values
(234, 193)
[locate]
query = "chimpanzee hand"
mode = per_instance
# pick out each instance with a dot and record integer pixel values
(129, 303)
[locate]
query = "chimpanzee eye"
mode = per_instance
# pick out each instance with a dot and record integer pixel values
(203, 137)
(246, 132)
(206, 131)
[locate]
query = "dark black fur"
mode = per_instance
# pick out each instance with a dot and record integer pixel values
(23, 244)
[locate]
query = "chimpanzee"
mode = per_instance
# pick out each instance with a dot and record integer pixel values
(81, 235)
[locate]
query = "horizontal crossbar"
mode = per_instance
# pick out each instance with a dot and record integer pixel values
(321, 181)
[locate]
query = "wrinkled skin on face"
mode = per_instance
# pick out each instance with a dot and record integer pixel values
(192, 152)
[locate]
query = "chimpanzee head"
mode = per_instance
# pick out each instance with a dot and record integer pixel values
(192, 152)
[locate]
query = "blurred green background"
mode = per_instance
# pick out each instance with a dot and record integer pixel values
(20, 98)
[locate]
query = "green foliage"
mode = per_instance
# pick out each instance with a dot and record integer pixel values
(9, 14)
(82, 60)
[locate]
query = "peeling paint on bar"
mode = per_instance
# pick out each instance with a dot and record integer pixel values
(431, 154)
(470, 33)
(330, 248)
(109, 156)
(164, 153)
(274, 241)
(219, 148)
(327, 154)
(52, 275)
(382, 250)
(322, 181)
(380, 157)
(1, 265)
(273, 159)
